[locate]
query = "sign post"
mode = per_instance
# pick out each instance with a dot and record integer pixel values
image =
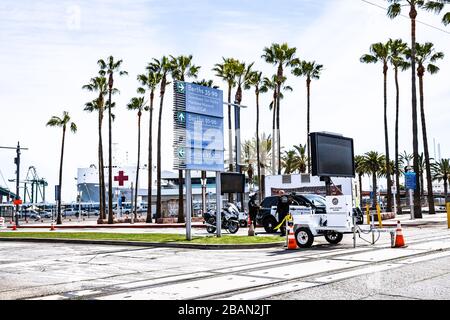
(410, 183)
(198, 136)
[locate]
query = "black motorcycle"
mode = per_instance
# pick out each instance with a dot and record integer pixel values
(230, 219)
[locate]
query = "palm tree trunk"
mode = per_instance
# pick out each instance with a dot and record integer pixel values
(158, 156)
(150, 162)
(425, 148)
(386, 142)
(110, 192)
(308, 90)
(100, 179)
(58, 219)
(258, 162)
(274, 135)
(374, 190)
(397, 171)
(417, 204)
(138, 164)
(278, 129)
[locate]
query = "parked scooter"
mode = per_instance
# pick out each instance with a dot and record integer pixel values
(230, 219)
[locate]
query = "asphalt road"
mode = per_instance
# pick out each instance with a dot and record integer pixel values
(72, 271)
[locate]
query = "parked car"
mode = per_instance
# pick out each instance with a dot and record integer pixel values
(70, 212)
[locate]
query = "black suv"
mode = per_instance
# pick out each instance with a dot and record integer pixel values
(268, 221)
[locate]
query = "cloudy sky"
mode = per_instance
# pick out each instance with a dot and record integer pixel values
(50, 48)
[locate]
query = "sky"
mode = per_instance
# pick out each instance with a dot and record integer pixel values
(50, 49)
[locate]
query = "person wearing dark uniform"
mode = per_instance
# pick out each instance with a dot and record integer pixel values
(283, 210)
(253, 209)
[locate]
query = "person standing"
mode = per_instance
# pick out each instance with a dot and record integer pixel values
(283, 210)
(253, 208)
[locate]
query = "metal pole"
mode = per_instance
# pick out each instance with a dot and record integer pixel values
(17, 181)
(188, 205)
(79, 205)
(218, 206)
(237, 124)
(411, 203)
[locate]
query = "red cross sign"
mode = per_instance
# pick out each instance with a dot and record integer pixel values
(121, 178)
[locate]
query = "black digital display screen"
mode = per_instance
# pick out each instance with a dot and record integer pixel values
(232, 183)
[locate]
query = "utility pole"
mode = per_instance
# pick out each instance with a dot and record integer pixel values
(17, 163)
(237, 125)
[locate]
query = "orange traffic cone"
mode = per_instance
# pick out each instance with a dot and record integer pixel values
(52, 227)
(292, 244)
(399, 240)
(14, 227)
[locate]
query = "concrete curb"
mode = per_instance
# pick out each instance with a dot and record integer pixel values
(153, 244)
(111, 226)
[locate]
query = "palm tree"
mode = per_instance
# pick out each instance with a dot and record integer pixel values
(360, 171)
(282, 56)
(310, 70)
(226, 71)
(373, 164)
(426, 56)
(394, 10)
(61, 123)
(271, 84)
(265, 149)
(137, 104)
(110, 66)
(182, 68)
(206, 83)
(257, 81)
(163, 67)
(98, 84)
(441, 172)
(149, 82)
(288, 162)
(397, 59)
(380, 52)
(302, 159)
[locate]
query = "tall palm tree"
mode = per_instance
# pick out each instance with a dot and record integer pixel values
(149, 83)
(265, 149)
(310, 70)
(397, 59)
(360, 171)
(256, 80)
(110, 66)
(137, 104)
(99, 84)
(182, 68)
(441, 172)
(282, 56)
(373, 164)
(394, 10)
(380, 52)
(227, 72)
(163, 67)
(63, 123)
(271, 84)
(426, 56)
(302, 159)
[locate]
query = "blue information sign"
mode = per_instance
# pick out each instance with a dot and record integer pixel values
(198, 127)
(410, 180)
(204, 100)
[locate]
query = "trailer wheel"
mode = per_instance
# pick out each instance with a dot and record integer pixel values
(304, 237)
(333, 237)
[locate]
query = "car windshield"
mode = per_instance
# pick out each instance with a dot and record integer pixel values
(318, 200)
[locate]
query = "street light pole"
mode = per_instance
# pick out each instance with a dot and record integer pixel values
(237, 124)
